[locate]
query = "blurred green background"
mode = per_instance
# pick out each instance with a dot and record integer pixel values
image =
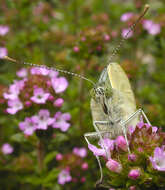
(77, 36)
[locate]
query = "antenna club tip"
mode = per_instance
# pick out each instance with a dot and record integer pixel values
(147, 6)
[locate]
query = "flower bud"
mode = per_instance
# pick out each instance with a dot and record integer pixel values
(84, 166)
(134, 174)
(76, 49)
(114, 166)
(58, 102)
(121, 143)
(132, 157)
(59, 157)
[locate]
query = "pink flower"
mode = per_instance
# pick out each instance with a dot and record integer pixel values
(84, 166)
(83, 179)
(82, 152)
(121, 143)
(3, 52)
(43, 119)
(59, 157)
(59, 84)
(3, 30)
(61, 121)
(27, 126)
(64, 177)
(7, 148)
(132, 187)
(126, 16)
(22, 73)
(114, 166)
(39, 96)
(39, 71)
(106, 37)
(58, 102)
(158, 160)
(125, 32)
(76, 49)
(132, 157)
(134, 174)
(151, 27)
(14, 106)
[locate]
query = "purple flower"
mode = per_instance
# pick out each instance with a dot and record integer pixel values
(39, 96)
(82, 152)
(124, 33)
(59, 157)
(134, 174)
(7, 148)
(58, 102)
(22, 73)
(126, 16)
(3, 30)
(121, 143)
(39, 71)
(64, 177)
(151, 27)
(106, 145)
(132, 157)
(3, 52)
(76, 49)
(27, 126)
(59, 84)
(14, 106)
(114, 166)
(53, 74)
(43, 119)
(158, 160)
(61, 121)
(84, 166)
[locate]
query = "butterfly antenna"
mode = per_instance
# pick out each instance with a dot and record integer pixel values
(49, 68)
(132, 28)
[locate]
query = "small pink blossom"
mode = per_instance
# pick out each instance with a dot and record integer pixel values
(61, 121)
(43, 119)
(7, 149)
(59, 84)
(106, 37)
(58, 102)
(151, 27)
(126, 16)
(3, 52)
(76, 49)
(158, 160)
(83, 179)
(121, 143)
(64, 177)
(134, 174)
(39, 96)
(132, 157)
(39, 71)
(59, 157)
(82, 152)
(14, 106)
(125, 33)
(3, 30)
(22, 73)
(114, 166)
(84, 166)
(27, 126)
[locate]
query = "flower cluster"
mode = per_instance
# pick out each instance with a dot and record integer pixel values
(3, 31)
(144, 167)
(151, 27)
(72, 166)
(39, 90)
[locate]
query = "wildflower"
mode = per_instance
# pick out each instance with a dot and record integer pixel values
(82, 152)
(59, 157)
(151, 27)
(14, 106)
(7, 148)
(76, 49)
(158, 160)
(106, 37)
(22, 73)
(121, 143)
(3, 30)
(64, 177)
(132, 157)
(83, 179)
(125, 32)
(126, 16)
(3, 52)
(84, 166)
(134, 174)
(114, 166)
(39, 71)
(39, 96)
(43, 119)
(27, 126)
(59, 84)
(58, 102)
(61, 121)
